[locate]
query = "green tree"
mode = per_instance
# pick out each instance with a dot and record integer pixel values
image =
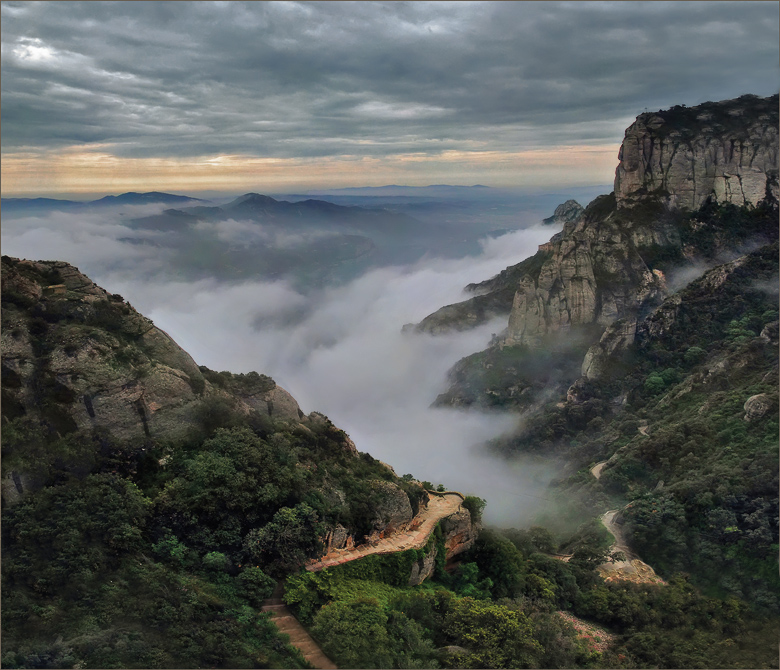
(255, 585)
(354, 634)
(654, 384)
(475, 506)
(495, 635)
(542, 539)
(284, 544)
(499, 560)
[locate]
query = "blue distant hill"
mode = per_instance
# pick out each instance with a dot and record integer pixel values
(21, 205)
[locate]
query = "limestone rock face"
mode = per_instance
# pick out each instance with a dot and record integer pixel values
(727, 151)
(423, 568)
(757, 406)
(594, 274)
(566, 212)
(394, 512)
(82, 359)
(459, 532)
(616, 337)
(770, 332)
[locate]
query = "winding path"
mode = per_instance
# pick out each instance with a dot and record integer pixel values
(632, 569)
(439, 506)
(289, 625)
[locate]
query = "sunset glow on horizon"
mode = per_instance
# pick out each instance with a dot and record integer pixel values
(231, 96)
(76, 170)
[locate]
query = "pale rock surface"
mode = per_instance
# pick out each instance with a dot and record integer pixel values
(459, 531)
(423, 568)
(111, 368)
(695, 159)
(757, 406)
(595, 275)
(394, 512)
(565, 213)
(617, 337)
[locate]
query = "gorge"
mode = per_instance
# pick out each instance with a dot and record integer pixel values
(642, 338)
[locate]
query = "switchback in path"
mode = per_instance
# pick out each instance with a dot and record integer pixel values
(439, 506)
(633, 569)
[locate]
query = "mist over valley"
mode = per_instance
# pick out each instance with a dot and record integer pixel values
(276, 295)
(390, 335)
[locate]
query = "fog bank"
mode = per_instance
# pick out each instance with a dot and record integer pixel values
(338, 350)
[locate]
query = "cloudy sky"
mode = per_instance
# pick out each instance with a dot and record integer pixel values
(273, 96)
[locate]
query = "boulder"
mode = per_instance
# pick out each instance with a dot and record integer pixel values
(393, 512)
(757, 406)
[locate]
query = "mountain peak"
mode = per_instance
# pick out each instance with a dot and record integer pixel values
(251, 200)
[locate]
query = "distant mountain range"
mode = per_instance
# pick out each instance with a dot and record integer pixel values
(11, 205)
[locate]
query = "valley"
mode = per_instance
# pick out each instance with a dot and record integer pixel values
(623, 406)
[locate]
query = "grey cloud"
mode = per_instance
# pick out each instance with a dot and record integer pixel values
(296, 79)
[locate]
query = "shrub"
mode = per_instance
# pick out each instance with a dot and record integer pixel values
(256, 586)
(475, 506)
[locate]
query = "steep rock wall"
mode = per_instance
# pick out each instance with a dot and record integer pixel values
(675, 159)
(726, 150)
(594, 275)
(81, 359)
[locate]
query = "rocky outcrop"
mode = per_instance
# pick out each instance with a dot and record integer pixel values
(757, 406)
(465, 315)
(82, 359)
(596, 270)
(567, 212)
(616, 337)
(423, 568)
(595, 274)
(727, 151)
(459, 532)
(393, 510)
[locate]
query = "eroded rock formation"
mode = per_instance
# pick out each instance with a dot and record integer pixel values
(81, 359)
(564, 213)
(595, 274)
(726, 150)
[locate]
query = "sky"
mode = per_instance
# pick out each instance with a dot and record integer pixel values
(285, 96)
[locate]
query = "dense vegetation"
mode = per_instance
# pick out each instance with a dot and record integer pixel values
(161, 556)
(498, 609)
(701, 480)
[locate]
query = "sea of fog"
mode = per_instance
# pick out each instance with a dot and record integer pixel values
(338, 350)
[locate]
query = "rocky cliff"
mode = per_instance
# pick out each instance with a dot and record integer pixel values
(692, 185)
(81, 359)
(726, 151)
(565, 213)
(595, 273)
(600, 268)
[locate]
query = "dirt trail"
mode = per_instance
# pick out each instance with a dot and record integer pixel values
(288, 624)
(633, 569)
(415, 537)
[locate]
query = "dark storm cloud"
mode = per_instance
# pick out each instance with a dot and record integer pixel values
(313, 79)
